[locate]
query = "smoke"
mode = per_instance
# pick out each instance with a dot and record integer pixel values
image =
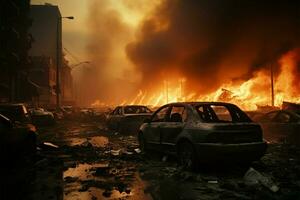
(111, 75)
(213, 41)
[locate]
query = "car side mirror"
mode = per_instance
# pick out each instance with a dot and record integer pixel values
(147, 120)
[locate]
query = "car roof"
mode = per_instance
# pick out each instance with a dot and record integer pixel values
(133, 106)
(201, 103)
(291, 112)
(11, 104)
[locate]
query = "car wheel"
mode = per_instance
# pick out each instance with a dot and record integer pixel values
(187, 156)
(142, 143)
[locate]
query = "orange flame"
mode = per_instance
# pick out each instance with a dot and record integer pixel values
(248, 95)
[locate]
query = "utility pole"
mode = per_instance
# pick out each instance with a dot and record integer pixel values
(272, 86)
(181, 89)
(58, 57)
(166, 90)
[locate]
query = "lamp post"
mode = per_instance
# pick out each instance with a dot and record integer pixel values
(58, 57)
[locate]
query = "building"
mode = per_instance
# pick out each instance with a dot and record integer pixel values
(15, 42)
(43, 75)
(46, 31)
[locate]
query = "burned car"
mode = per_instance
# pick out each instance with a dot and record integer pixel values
(203, 132)
(17, 139)
(16, 113)
(281, 126)
(128, 119)
(41, 117)
(57, 113)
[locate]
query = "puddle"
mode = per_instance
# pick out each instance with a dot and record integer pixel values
(96, 193)
(97, 141)
(83, 171)
(76, 141)
(83, 184)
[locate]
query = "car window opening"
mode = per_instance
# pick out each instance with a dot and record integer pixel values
(221, 114)
(136, 110)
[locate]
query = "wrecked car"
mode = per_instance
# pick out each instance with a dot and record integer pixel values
(128, 119)
(42, 117)
(281, 126)
(16, 139)
(203, 132)
(57, 113)
(16, 113)
(68, 111)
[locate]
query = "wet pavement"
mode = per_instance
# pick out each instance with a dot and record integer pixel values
(83, 160)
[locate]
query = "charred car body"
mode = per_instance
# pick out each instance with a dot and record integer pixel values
(203, 131)
(281, 126)
(42, 117)
(128, 119)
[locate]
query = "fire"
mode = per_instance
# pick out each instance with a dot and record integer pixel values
(248, 95)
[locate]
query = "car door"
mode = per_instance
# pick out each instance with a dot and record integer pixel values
(172, 127)
(152, 134)
(112, 119)
(119, 117)
(7, 136)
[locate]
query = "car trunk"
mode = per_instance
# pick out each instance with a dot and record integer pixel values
(233, 133)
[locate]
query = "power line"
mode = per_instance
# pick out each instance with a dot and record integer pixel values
(72, 55)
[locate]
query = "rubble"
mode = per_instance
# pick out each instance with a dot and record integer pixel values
(118, 169)
(253, 177)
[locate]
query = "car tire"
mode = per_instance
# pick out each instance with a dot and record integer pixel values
(142, 143)
(187, 156)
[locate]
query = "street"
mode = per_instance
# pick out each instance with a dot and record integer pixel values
(83, 160)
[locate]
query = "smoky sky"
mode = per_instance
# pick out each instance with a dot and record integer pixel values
(107, 32)
(213, 41)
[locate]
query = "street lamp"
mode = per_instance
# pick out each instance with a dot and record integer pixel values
(58, 57)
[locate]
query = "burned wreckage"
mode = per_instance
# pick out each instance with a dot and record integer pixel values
(203, 131)
(127, 119)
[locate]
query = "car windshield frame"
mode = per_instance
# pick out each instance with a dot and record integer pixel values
(208, 115)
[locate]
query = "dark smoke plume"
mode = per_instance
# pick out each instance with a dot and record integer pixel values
(213, 41)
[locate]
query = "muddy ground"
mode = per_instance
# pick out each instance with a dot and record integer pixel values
(83, 160)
